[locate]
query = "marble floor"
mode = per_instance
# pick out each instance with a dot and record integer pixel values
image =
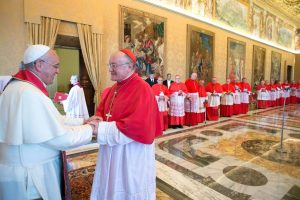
(234, 158)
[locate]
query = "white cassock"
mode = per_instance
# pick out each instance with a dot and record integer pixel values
(213, 99)
(273, 95)
(278, 93)
(286, 92)
(3, 81)
(125, 168)
(192, 105)
(263, 94)
(227, 99)
(245, 96)
(75, 104)
(177, 104)
(32, 133)
(202, 107)
(162, 102)
(237, 97)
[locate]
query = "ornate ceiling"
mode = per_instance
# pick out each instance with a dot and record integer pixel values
(290, 8)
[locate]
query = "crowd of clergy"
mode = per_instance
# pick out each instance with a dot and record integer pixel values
(191, 102)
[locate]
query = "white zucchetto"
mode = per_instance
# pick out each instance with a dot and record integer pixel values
(33, 52)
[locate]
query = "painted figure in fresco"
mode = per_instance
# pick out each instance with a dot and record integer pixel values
(236, 67)
(275, 69)
(269, 29)
(159, 51)
(209, 9)
(148, 49)
(138, 45)
(185, 4)
(297, 39)
(127, 43)
(258, 67)
(258, 24)
(198, 7)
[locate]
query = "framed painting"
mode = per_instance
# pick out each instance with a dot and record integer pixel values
(236, 57)
(275, 66)
(200, 52)
(258, 62)
(144, 34)
(234, 13)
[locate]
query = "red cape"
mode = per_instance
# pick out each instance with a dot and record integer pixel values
(29, 77)
(228, 88)
(214, 88)
(245, 86)
(175, 87)
(134, 109)
(285, 85)
(259, 87)
(158, 88)
(202, 91)
(192, 85)
(234, 85)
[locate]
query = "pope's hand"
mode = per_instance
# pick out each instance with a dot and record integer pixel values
(100, 119)
(94, 124)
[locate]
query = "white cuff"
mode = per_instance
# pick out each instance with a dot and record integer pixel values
(109, 134)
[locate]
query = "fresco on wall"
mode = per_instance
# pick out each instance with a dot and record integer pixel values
(144, 34)
(236, 56)
(200, 53)
(285, 36)
(275, 65)
(297, 39)
(203, 8)
(270, 27)
(239, 14)
(257, 21)
(233, 13)
(258, 62)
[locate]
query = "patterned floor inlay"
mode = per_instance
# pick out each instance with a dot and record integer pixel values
(211, 133)
(233, 158)
(295, 135)
(245, 176)
(293, 193)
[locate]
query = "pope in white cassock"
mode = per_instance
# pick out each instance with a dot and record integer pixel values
(75, 104)
(126, 161)
(32, 132)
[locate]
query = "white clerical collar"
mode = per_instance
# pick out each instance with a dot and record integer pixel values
(38, 78)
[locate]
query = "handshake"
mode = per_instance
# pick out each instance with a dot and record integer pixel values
(94, 122)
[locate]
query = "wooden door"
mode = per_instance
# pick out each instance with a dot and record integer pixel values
(86, 84)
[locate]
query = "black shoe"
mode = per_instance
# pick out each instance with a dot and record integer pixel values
(174, 126)
(180, 126)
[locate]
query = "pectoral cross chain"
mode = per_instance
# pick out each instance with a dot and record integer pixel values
(108, 115)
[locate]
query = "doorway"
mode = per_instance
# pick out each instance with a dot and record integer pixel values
(71, 58)
(289, 73)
